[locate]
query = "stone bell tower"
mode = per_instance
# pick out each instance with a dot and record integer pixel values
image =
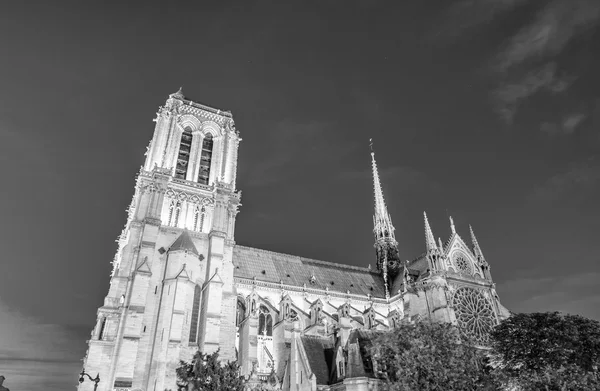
(171, 290)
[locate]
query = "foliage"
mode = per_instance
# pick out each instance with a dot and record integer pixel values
(206, 373)
(546, 351)
(428, 356)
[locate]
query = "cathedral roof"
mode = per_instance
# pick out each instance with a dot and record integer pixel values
(184, 242)
(320, 355)
(296, 271)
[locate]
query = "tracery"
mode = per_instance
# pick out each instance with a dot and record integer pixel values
(474, 314)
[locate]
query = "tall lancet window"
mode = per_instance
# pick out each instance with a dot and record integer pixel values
(205, 159)
(174, 212)
(184, 154)
(199, 215)
(265, 322)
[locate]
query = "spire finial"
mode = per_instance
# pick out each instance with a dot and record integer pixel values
(429, 238)
(452, 227)
(440, 244)
(476, 249)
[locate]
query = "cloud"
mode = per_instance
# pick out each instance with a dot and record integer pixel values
(32, 351)
(314, 144)
(575, 293)
(554, 26)
(464, 16)
(580, 178)
(509, 94)
(567, 127)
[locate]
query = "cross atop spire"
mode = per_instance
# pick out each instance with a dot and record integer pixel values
(429, 238)
(388, 260)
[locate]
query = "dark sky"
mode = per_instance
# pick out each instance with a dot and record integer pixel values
(486, 110)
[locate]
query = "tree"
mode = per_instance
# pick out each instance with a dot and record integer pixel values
(546, 351)
(428, 356)
(206, 373)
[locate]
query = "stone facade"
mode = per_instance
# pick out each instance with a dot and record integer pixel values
(181, 284)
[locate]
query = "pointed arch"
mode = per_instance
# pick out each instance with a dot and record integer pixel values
(265, 321)
(205, 159)
(183, 157)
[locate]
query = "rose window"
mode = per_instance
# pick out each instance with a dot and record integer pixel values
(474, 314)
(462, 264)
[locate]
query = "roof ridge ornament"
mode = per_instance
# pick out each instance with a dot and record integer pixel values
(452, 227)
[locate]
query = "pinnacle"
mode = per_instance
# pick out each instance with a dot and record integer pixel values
(476, 248)
(179, 93)
(429, 238)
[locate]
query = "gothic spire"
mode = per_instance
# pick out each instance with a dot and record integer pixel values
(386, 247)
(476, 248)
(383, 228)
(429, 239)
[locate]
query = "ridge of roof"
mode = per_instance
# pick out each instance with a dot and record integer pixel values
(311, 260)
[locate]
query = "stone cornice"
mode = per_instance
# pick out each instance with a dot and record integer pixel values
(327, 295)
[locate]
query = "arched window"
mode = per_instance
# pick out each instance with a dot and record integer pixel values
(184, 154)
(196, 218)
(176, 214)
(240, 313)
(265, 322)
(202, 216)
(199, 217)
(205, 159)
(195, 313)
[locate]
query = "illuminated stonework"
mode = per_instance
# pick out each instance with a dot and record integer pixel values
(474, 314)
(181, 283)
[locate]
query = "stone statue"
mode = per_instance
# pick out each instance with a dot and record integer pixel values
(2, 388)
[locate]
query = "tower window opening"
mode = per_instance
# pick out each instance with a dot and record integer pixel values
(205, 159)
(102, 327)
(195, 313)
(183, 158)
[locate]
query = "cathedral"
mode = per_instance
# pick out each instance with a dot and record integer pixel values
(180, 283)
